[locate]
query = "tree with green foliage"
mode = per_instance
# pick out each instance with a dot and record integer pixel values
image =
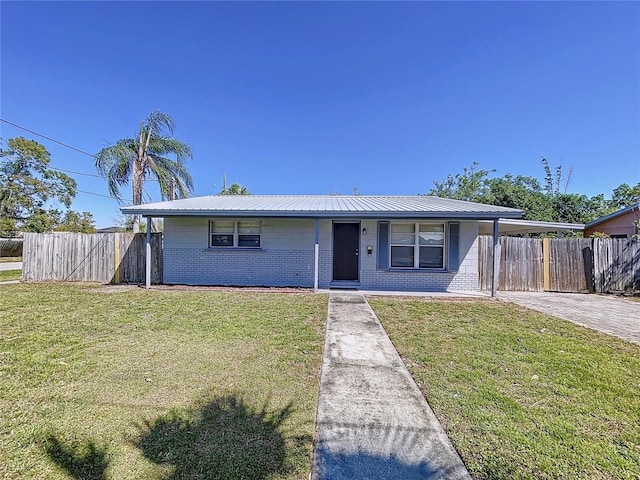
(152, 154)
(521, 192)
(42, 221)
(28, 186)
(470, 185)
(624, 196)
(542, 201)
(234, 189)
(125, 224)
(77, 222)
(571, 208)
(553, 181)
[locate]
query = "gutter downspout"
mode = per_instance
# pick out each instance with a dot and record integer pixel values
(316, 256)
(496, 259)
(148, 262)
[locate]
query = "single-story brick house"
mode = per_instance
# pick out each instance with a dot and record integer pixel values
(407, 243)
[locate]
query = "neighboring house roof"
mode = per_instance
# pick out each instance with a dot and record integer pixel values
(114, 229)
(519, 227)
(622, 211)
(323, 206)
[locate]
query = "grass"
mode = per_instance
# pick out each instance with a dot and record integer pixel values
(105, 383)
(522, 395)
(7, 275)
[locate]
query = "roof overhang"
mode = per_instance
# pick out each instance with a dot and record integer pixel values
(308, 215)
(522, 227)
(323, 206)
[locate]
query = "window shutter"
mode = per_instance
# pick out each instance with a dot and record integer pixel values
(454, 248)
(383, 245)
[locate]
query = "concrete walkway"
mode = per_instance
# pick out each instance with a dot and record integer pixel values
(372, 421)
(608, 314)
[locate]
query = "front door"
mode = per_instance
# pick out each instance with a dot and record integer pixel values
(346, 242)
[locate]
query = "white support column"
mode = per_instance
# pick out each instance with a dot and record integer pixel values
(148, 262)
(496, 257)
(316, 259)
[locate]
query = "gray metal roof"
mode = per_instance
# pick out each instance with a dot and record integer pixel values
(519, 227)
(323, 206)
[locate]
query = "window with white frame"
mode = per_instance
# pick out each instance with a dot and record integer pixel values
(417, 245)
(234, 233)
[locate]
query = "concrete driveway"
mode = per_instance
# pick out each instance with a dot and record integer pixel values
(10, 266)
(609, 314)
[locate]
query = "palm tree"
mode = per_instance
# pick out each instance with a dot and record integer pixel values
(234, 189)
(147, 157)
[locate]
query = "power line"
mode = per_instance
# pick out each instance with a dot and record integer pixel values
(73, 171)
(48, 138)
(77, 173)
(105, 196)
(120, 200)
(67, 146)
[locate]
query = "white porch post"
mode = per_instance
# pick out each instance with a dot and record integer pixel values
(496, 259)
(148, 262)
(316, 259)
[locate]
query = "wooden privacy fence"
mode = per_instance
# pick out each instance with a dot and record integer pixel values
(616, 264)
(94, 257)
(561, 264)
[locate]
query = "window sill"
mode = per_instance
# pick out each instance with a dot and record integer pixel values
(233, 249)
(418, 270)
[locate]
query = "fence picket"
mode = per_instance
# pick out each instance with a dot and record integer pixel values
(89, 257)
(600, 265)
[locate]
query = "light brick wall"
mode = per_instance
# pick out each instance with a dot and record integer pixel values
(465, 279)
(287, 258)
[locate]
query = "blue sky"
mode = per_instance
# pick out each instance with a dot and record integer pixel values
(296, 98)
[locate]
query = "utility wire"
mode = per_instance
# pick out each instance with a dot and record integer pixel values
(67, 146)
(105, 196)
(65, 170)
(76, 173)
(48, 138)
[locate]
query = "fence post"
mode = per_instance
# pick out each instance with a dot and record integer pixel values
(316, 257)
(546, 265)
(496, 257)
(589, 260)
(116, 257)
(148, 262)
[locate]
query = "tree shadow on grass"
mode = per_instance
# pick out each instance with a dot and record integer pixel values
(82, 461)
(225, 439)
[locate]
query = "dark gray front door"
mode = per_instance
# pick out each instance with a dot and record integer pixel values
(346, 241)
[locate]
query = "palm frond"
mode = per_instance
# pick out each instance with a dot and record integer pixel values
(171, 172)
(115, 163)
(157, 122)
(167, 146)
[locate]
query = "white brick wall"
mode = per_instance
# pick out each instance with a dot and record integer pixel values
(465, 279)
(287, 258)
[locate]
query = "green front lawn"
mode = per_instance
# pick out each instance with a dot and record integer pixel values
(522, 395)
(7, 275)
(112, 383)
